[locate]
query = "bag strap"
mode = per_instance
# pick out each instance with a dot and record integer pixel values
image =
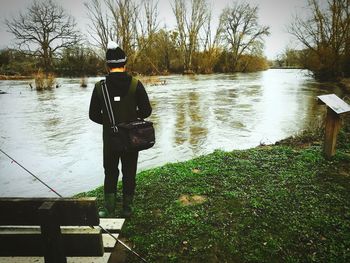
(133, 85)
(108, 103)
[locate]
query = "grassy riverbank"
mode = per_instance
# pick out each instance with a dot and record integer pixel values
(279, 203)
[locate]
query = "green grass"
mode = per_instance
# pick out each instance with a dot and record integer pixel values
(279, 203)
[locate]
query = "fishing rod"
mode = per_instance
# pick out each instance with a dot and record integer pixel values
(51, 189)
(123, 244)
(25, 169)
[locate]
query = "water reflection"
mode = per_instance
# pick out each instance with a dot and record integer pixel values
(180, 129)
(190, 121)
(50, 133)
(57, 123)
(49, 108)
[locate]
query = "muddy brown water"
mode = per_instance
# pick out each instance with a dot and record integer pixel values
(49, 132)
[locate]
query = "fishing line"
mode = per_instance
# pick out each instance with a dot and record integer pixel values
(41, 181)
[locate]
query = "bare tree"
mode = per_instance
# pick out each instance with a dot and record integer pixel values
(147, 32)
(210, 42)
(240, 30)
(148, 27)
(326, 34)
(211, 46)
(101, 28)
(44, 30)
(124, 13)
(132, 24)
(188, 27)
(151, 18)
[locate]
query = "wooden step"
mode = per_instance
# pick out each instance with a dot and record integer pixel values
(109, 242)
(113, 225)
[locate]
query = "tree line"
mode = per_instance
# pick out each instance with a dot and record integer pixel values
(48, 38)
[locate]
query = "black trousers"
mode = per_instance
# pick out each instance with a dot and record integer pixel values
(129, 166)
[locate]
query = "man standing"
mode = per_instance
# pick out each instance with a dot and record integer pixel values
(128, 104)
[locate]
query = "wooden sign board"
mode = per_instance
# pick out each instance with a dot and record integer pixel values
(335, 103)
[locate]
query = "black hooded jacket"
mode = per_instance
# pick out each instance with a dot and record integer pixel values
(119, 83)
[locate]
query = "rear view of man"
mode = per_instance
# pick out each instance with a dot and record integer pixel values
(129, 104)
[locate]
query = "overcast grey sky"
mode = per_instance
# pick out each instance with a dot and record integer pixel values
(275, 13)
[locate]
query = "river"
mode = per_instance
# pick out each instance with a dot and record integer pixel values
(50, 134)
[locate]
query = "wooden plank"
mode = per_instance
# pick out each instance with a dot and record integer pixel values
(83, 244)
(7, 230)
(108, 241)
(103, 259)
(113, 225)
(335, 103)
(70, 211)
(22, 260)
(28, 242)
(36, 229)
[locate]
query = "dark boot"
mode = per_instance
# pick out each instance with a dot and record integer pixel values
(109, 208)
(127, 206)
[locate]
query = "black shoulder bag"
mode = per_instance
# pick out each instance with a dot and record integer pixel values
(136, 135)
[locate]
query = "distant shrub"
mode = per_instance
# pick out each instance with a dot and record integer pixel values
(83, 82)
(43, 81)
(250, 63)
(207, 60)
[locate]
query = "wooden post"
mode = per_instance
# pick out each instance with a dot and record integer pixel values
(331, 133)
(51, 234)
(335, 108)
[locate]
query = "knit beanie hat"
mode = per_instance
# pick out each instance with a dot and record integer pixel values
(115, 56)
